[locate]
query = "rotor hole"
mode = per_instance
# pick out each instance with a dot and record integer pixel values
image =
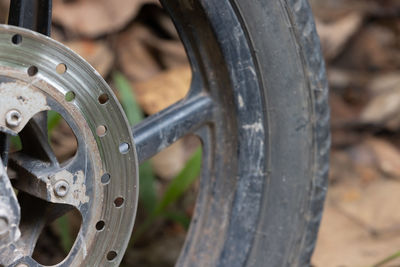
(101, 131)
(124, 148)
(111, 255)
(118, 202)
(16, 39)
(69, 96)
(103, 99)
(100, 225)
(105, 179)
(32, 71)
(61, 68)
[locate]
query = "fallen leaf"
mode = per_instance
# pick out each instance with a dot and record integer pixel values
(92, 18)
(142, 54)
(342, 112)
(359, 232)
(387, 156)
(335, 35)
(384, 82)
(136, 60)
(375, 47)
(164, 89)
(363, 164)
(169, 162)
(384, 108)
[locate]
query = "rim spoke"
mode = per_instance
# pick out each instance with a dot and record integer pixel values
(35, 140)
(38, 173)
(31, 14)
(32, 175)
(48, 182)
(161, 130)
(4, 147)
(32, 222)
(36, 214)
(35, 163)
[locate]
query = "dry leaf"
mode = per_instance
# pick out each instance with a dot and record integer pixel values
(96, 17)
(384, 82)
(163, 89)
(375, 47)
(169, 162)
(384, 109)
(345, 237)
(136, 60)
(98, 54)
(142, 54)
(387, 157)
(342, 112)
(334, 35)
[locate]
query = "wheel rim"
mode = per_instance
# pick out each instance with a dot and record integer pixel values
(234, 137)
(226, 109)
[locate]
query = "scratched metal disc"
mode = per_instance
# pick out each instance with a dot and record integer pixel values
(38, 74)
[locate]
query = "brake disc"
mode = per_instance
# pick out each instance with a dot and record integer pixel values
(38, 74)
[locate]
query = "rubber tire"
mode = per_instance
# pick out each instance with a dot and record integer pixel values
(290, 40)
(273, 221)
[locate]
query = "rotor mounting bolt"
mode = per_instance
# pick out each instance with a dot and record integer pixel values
(61, 188)
(4, 227)
(13, 118)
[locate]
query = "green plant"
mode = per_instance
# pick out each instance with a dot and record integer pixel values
(387, 260)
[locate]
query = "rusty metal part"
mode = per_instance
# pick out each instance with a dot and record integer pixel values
(48, 189)
(19, 101)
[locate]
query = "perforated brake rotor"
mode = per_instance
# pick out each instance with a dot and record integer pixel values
(100, 181)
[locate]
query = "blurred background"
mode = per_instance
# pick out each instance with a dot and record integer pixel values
(134, 46)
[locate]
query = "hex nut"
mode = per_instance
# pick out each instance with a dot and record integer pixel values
(61, 188)
(13, 118)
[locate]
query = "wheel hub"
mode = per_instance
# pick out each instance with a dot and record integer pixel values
(38, 74)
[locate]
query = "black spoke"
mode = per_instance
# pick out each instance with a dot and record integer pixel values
(33, 221)
(31, 14)
(161, 130)
(4, 146)
(35, 140)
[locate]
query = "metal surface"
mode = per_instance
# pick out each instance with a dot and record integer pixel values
(9, 211)
(48, 189)
(166, 127)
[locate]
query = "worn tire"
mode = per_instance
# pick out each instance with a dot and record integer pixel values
(296, 27)
(262, 201)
